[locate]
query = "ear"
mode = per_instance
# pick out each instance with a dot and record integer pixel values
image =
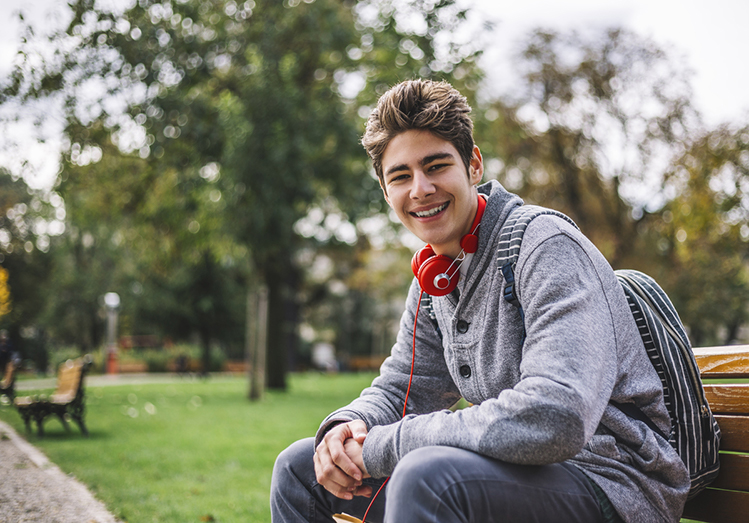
(476, 171)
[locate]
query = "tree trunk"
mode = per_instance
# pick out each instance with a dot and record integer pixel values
(257, 341)
(282, 281)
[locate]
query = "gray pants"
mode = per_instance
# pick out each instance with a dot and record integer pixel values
(439, 484)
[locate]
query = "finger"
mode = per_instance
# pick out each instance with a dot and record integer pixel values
(332, 478)
(358, 428)
(364, 491)
(344, 462)
(334, 445)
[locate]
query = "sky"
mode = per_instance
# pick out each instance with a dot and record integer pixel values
(711, 37)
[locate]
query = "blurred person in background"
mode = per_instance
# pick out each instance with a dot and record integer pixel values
(6, 350)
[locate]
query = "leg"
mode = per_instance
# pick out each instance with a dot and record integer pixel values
(39, 418)
(295, 495)
(25, 413)
(61, 416)
(77, 415)
(81, 424)
(452, 485)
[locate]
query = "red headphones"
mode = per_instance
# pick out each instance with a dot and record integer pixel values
(438, 274)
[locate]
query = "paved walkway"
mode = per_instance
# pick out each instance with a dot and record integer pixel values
(101, 380)
(33, 489)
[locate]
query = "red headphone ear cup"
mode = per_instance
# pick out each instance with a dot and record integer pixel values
(420, 257)
(433, 276)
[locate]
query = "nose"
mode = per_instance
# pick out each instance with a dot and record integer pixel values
(422, 186)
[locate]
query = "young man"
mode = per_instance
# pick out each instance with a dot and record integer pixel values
(541, 442)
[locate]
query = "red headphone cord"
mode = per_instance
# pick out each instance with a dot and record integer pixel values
(413, 355)
(405, 401)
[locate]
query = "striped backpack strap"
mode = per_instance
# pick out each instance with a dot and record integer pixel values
(510, 239)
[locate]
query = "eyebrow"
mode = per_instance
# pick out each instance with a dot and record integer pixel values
(424, 161)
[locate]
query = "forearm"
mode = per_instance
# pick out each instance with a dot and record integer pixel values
(515, 428)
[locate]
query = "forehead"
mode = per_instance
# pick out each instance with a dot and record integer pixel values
(411, 147)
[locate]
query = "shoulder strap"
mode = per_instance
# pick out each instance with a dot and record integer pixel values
(510, 239)
(634, 412)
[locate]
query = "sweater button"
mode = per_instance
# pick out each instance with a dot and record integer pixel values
(465, 371)
(462, 326)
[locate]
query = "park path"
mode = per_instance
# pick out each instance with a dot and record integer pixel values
(102, 380)
(33, 489)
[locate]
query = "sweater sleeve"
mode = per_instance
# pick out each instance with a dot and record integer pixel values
(432, 387)
(568, 370)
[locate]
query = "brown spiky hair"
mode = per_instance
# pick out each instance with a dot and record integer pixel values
(423, 105)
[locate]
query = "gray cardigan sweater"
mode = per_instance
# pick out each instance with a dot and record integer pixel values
(542, 401)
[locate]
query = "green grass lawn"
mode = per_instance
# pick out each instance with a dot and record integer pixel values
(192, 450)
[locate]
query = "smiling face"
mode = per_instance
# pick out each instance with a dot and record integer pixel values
(426, 184)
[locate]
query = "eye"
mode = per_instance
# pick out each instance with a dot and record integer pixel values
(437, 166)
(398, 178)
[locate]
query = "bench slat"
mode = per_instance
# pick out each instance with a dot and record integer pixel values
(723, 362)
(728, 398)
(68, 379)
(734, 433)
(718, 506)
(734, 472)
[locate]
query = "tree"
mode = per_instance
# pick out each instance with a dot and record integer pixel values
(604, 130)
(703, 235)
(29, 220)
(598, 120)
(248, 103)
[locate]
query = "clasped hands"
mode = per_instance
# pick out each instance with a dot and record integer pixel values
(339, 466)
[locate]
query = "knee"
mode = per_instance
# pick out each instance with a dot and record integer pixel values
(293, 462)
(422, 468)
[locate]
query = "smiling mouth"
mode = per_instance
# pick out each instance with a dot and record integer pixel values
(431, 212)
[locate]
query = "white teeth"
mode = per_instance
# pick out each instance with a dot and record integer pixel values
(430, 212)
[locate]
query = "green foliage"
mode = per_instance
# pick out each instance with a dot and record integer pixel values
(59, 356)
(217, 127)
(599, 119)
(704, 233)
(186, 449)
(27, 218)
(605, 132)
(163, 359)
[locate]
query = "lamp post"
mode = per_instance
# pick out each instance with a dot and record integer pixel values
(112, 301)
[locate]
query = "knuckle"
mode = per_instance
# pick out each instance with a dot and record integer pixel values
(328, 469)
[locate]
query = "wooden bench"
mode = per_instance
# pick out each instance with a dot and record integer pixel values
(67, 400)
(726, 500)
(7, 385)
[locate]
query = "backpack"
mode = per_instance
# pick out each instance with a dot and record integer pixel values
(694, 431)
